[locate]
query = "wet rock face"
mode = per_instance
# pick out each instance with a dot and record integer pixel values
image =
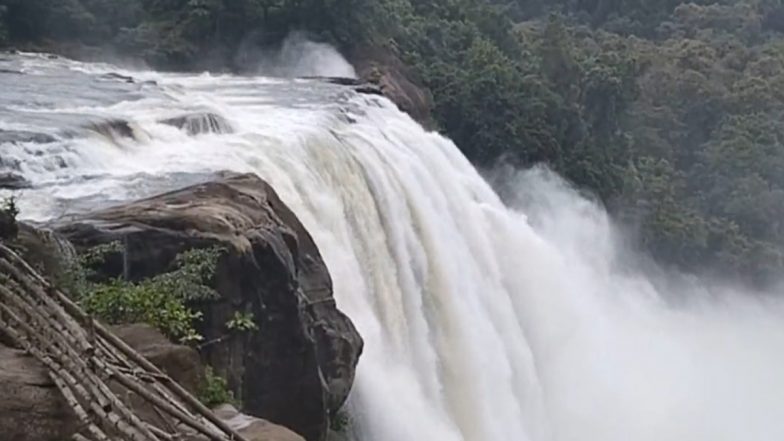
(297, 369)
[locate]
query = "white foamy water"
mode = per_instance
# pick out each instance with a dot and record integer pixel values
(481, 322)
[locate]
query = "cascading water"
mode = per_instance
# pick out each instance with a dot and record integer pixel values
(481, 322)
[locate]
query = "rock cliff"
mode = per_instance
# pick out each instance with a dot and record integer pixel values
(297, 368)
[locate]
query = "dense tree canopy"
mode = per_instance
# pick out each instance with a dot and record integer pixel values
(670, 111)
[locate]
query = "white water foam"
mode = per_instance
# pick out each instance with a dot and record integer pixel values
(481, 322)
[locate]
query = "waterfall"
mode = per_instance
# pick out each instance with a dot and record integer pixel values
(482, 321)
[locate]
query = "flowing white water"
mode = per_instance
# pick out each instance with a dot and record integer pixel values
(297, 57)
(481, 322)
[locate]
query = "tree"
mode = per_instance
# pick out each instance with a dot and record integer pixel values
(672, 112)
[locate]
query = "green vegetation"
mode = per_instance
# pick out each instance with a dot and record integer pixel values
(215, 390)
(242, 322)
(670, 111)
(8, 213)
(162, 301)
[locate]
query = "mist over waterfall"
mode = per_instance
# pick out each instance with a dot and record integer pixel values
(296, 56)
(481, 321)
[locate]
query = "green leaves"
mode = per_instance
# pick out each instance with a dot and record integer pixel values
(162, 301)
(215, 390)
(147, 302)
(671, 111)
(242, 322)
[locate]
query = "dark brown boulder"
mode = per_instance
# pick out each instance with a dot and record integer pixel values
(381, 66)
(298, 367)
(180, 362)
(254, 429)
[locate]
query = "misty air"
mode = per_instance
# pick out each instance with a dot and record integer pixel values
(387, 220)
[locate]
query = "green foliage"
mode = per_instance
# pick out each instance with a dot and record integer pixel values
(215, 390)
(242, 322)
(162, 301)
(710, 109)
(148, 302)
(193, 272)
(8, 213)
(97, 254)
(670, 111)
(679, 131)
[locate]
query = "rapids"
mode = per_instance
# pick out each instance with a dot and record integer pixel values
(482, 321)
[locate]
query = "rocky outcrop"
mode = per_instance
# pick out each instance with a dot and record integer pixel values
(180, 362)
(41, 249)
(46, 251)
(298, 367)
(254, 429)
(113, 129)
(31, 407)
(383, 67)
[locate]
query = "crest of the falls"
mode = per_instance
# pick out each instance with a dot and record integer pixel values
(481, 322)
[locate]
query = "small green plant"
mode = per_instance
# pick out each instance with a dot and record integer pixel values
(215, 390)
(242, 322)
(8, 213)
(161, 301)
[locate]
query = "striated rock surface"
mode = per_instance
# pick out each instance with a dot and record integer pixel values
(298, 367)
